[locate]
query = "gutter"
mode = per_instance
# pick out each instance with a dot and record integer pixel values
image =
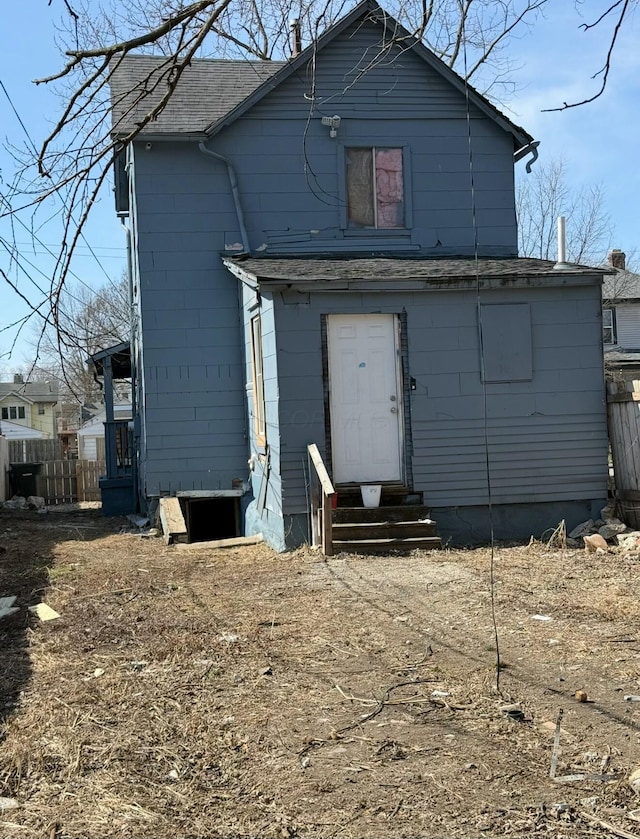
(235, 191)
(530, 148)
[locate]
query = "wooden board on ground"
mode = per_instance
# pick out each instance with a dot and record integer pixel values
(236, 542)
(173, 523)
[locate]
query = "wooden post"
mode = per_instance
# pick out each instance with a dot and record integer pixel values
(624, 435)
(327, 531)
(328, 492)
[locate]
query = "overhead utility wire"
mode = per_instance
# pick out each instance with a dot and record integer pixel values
(35, 150)
(492, 585)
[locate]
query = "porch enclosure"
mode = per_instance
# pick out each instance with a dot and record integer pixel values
(118, 483)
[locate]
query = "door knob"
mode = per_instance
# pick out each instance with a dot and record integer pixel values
(394, 410)
(392, 398)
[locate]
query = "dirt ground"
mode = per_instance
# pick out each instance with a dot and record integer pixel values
(197, 692)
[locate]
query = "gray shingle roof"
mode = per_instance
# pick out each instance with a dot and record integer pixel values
(222, 88)
(389, 270)
(206, 91)
(34, 391)
(621, 285)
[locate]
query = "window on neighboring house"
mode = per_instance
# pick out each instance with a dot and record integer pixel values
(40, 409)
(375, 187)
(609, 326)
(259, 418)
(13, 412)
(21, 412)
(5, 413)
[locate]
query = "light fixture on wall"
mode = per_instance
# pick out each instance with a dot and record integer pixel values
(333, 123)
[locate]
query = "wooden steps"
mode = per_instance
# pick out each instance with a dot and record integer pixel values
(386, 529)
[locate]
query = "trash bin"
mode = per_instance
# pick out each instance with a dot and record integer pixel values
(24, 478)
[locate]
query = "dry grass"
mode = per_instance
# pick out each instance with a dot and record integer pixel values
(244, 693)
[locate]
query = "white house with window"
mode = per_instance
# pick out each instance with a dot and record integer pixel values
(621, 315)
(29, 406)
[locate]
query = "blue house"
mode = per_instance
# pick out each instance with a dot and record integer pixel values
(324, 253)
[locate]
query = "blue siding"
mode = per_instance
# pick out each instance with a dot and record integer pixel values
(547, 437)
(192, 375)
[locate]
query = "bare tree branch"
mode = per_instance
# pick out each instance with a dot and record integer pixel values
(543, 196)
(605, 69)
(75, 160)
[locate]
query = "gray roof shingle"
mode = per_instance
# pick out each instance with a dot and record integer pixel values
(211, 89)
(621, 285)
(388, 270)
(206, 91)
(34, 391)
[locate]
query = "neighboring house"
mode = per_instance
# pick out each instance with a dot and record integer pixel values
(621, 317)
(15, 431)
(324, 251)
(30, 405)
(91, 437)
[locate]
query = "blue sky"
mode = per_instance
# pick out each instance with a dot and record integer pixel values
(554, 62)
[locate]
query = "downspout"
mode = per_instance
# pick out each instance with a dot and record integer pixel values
(235, 192)
(127, 233)
(530, 148)
(233, 181)
(135, 423)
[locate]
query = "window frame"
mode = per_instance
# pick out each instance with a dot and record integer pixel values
(494, 324)
(5, 414)
(257, 381)
(22, 414)
(377, 232)
(611, 310)
(42, 409)
(13, 412)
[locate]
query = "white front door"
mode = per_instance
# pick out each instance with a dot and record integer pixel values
(365, 398)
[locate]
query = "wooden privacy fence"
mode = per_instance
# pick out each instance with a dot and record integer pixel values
(623, 410)
(58, 480)
(88, 473)
(64, 481)
(35, 451)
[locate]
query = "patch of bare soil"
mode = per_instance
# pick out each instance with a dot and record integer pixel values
(192, 692)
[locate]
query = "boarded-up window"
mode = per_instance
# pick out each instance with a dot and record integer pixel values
(259, 420)
(609, 326)
(375, 187)
(506, 342)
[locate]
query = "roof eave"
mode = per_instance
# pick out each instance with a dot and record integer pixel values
(164, 136)
(576, 276)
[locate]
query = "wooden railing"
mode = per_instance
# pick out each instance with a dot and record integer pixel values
(321, 495)
(118, 448)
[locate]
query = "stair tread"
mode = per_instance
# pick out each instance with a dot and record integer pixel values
(393, 507)
(386, 541)
(363, 524)
(395, 514)
(387, 546)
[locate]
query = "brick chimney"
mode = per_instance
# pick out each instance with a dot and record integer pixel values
(296, 37)
(617, 259)
(18, 379)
